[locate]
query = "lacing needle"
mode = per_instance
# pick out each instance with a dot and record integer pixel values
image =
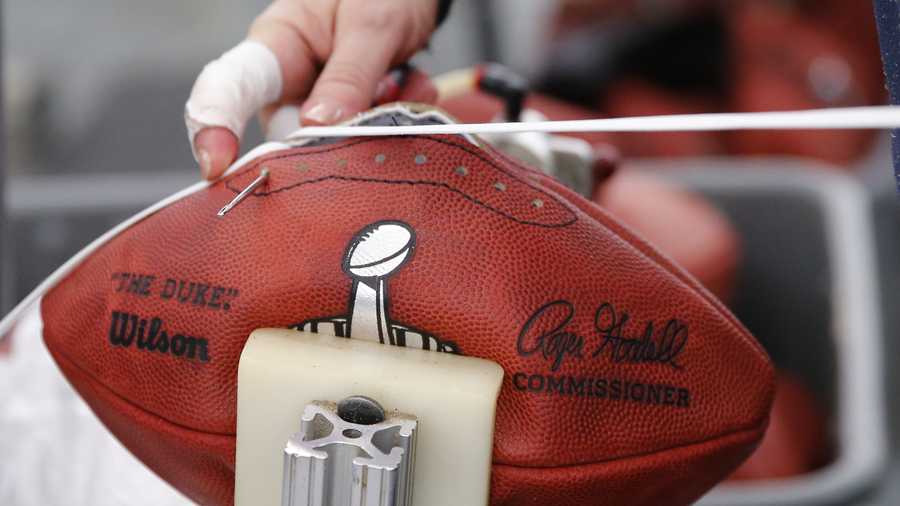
(263, 176)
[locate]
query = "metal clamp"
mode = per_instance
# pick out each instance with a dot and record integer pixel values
(350, 454)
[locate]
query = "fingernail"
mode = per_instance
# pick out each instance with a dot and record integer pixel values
(205, 163)
(323, 113)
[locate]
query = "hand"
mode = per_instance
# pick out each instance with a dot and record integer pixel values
(332, 56)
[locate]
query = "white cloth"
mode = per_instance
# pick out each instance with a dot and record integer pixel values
(54, 450)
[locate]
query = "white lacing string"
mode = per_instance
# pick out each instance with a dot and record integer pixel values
(874, 117)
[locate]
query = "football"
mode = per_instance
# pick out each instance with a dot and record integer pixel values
(626, 381)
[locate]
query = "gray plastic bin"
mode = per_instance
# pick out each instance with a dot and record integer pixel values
(808, 289)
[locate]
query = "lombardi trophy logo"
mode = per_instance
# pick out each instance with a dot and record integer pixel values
(374, 254)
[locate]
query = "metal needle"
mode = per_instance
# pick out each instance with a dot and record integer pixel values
(263, 176)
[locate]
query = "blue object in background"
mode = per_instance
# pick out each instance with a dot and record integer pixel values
(887, 15)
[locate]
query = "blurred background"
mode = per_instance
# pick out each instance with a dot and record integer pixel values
(93, 94)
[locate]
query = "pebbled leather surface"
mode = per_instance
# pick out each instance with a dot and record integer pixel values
(485, 262)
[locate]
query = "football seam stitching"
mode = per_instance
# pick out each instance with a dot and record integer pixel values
(488, 160)
(491, 163)
(433, 184)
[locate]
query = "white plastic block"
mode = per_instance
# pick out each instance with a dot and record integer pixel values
(453, 397)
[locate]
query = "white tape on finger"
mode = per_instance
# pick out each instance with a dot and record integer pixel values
(231, 89)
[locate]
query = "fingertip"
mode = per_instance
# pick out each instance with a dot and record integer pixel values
(216, 149)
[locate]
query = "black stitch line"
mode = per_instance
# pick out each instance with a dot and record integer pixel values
(468, 197)
(490, 162)
(330, 148)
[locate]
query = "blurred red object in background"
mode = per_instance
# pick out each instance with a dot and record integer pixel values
(803, 56)
(797, 440)
(703, 56)
(633, 97)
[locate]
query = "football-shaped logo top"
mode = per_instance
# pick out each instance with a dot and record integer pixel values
(379, 249)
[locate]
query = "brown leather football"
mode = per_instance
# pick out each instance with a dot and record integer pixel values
(626, 382)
